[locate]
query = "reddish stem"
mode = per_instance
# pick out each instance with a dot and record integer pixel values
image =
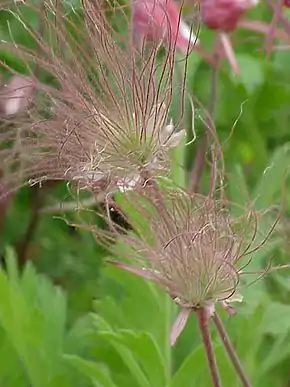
(205, 333)
(23, 246)
(283, 19)
(263, 28)
(273, 25)
(231, 350)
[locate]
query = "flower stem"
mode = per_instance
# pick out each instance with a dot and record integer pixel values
(231, 350)
(205, 333)
(277, 11)
(167, 349)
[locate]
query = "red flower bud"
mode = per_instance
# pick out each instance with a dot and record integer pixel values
(224, 14)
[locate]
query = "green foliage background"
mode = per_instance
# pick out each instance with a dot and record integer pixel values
(67, 319)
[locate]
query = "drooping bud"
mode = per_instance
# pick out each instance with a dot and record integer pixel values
(224, 14)
(158, 21)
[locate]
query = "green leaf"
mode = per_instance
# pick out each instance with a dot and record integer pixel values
(194, 370)
(186, 375)
(271, 183)
(252, 73)
(128, 357)
(145, 349)
(275, 355)
(276, 319)
(96, 372)
(32, 314)
(237, 188)
(120, 309)
(12, 373)
(178, 172)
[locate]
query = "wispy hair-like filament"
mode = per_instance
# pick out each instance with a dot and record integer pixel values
(101, 109)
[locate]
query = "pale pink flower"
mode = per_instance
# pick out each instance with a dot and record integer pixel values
(160, 20)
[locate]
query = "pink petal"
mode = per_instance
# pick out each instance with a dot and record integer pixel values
(179, 324)
(156, 20)
(229, 52)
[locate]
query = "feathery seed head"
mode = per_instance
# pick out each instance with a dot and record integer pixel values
(107, 116)
(190, 245)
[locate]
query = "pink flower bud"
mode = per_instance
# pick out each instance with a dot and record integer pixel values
(287, 3)
(16, 94)
(160, 20)
(224, 14)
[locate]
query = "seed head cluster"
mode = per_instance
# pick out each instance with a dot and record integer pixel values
(95, 109)
(190, 245)
(107, 115)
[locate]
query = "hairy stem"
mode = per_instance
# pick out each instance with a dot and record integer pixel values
(231, 350)
(205, 333)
